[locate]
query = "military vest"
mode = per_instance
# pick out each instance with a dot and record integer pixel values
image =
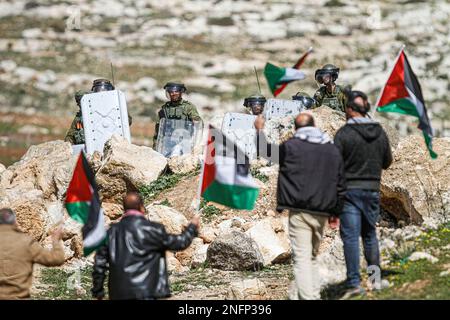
(333, 100)
(175, 110)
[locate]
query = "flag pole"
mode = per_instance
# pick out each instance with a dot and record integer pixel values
(257, 79)
(199, 189)
(392, 70)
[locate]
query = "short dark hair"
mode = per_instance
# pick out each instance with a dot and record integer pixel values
(351, 97)
(132, 201)
(304, 120)
(7, 216)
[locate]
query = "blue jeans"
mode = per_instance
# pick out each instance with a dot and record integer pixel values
(359, 217)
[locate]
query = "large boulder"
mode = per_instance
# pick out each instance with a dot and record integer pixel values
(271, 236)
(46, 167)
(34, 187)
(416, 188)
(126, 167)
(234, 251)
(173, 221)
(2, 168)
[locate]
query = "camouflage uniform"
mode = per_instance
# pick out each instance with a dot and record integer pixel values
(181, 110)
(75, 135)
(335, 100)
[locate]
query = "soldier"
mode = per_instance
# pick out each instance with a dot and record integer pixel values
(329, 94)
(255, 104)
(306, 100)
(176, 108)
(75, 135)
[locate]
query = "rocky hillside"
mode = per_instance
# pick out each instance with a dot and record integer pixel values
(244, 251)
(49, 49)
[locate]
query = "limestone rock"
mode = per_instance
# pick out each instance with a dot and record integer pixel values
(30, 215)
(331, 263)
(418, 255)
(173, 265)
(46, 167)
(274, 246)
(233, 223)
(112, 210)
(185, 256)
(126, 167)
(173, 221)
(199, 256)
(247, 289)
(234, 251)
(207, 234)
(2, 168)
(186, 163)
(416, 188)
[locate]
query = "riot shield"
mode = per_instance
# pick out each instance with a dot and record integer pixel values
(276, 108)
(77, 148)
(178, 137)
(104, 114)
(240, 129)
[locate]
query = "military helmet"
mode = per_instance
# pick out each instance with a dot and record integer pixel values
(175, 86)
(254, 99)
(306, 100)
(330, 69)
(79, 94)
(102, 85)
(255, 103)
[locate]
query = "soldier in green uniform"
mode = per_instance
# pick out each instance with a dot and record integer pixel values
(329, 94)
(306, 100)
(75, 134)
(177, 108)
(255, 104)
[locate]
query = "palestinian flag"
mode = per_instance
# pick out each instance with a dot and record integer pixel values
(402, 94)
(226, 177)
(278, 78)
(83, 205)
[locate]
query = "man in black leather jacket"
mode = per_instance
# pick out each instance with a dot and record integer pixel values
(134, 255)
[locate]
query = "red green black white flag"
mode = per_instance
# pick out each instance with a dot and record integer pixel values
(278, 78)
(402, 94)
(226, 177)
(83, 205)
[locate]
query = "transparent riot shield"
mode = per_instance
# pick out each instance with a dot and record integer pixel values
(277, 108)
(178, 137)
(104, 114)
(240, 129)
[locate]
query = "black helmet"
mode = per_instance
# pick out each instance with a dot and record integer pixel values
(102, 85)
(255, 103)
(306, 100)
(175, 86)
(330, 69)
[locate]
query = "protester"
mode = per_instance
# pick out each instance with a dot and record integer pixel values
(18, 253)
(311, 186)
(365, 149)
(134, 255)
